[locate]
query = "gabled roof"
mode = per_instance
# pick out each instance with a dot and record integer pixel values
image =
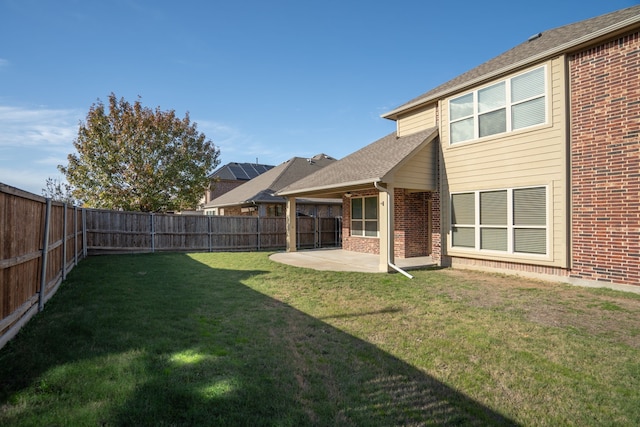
(540, 47)
(240, 171)
(373, 163)
(261, 189)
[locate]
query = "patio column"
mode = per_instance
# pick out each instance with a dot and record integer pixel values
(291, 224)
(385, 200)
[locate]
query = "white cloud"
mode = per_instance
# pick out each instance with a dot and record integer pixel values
(23, 127)
(33, 142)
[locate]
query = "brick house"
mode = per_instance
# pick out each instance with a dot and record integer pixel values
(230, 176)
(527, 164)
(256, 197)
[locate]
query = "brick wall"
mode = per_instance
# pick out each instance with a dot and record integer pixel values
(436, 238)
(237, 211)
(221, 187)
(411, 226)
(605, 159)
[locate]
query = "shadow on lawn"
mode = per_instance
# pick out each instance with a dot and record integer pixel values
(209, 350)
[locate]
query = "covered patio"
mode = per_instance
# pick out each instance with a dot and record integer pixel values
(334, 259)
(387, 189)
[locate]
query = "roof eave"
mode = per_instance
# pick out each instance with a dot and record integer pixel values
(225, 205)
(563, 48)
(319, 189)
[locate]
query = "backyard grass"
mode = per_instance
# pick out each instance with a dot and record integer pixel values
(233, 339)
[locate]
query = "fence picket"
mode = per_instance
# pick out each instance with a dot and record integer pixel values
(35, 232)
(110, 231)
(33, 256)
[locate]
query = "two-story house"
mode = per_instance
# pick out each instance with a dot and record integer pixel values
(526, 164)
(230, 176)
(257, 197)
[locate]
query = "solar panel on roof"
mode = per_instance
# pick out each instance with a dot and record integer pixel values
(250, 170)
(238, 172)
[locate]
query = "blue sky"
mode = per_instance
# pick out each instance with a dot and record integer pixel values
(266, 80)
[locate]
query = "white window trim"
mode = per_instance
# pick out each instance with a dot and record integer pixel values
(508, 106)
(510, 227)
(364, 219)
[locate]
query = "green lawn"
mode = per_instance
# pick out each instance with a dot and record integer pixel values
(233, 339)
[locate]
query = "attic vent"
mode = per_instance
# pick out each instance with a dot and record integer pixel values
(535, 36)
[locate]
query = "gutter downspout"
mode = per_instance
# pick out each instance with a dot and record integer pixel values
(390, 233)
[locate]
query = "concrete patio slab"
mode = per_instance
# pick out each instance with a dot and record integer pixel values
(341, 260)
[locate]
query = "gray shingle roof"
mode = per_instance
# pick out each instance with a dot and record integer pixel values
(370, 164)
(261, 189)
(551, 42)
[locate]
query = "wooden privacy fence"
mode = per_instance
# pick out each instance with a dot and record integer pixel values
(40, 242)
(114, 231)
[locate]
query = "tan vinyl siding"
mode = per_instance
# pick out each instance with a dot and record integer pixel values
(417, 120)
(527, 157)
(419, 173)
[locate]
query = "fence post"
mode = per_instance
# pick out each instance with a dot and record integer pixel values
(258, 230)
(209, 232)
(75, 235)
(45, 252)
(64, 241)
(153, 236)
(84, 233)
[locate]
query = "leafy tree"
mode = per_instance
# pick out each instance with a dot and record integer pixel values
(138, 159)
(59, 191)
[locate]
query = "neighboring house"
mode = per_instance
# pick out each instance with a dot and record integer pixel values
(528, 163)
(230, 176)
(256, 197)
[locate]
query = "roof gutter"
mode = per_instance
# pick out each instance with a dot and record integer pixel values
(224, 205)
(558, 49)
(326, 187)
(390, 234)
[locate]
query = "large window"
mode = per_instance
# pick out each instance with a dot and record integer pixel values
(364, 216)
(509, 105)
(511, 220)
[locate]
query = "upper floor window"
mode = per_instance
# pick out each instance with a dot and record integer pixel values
(364, 216)
(511, 104)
